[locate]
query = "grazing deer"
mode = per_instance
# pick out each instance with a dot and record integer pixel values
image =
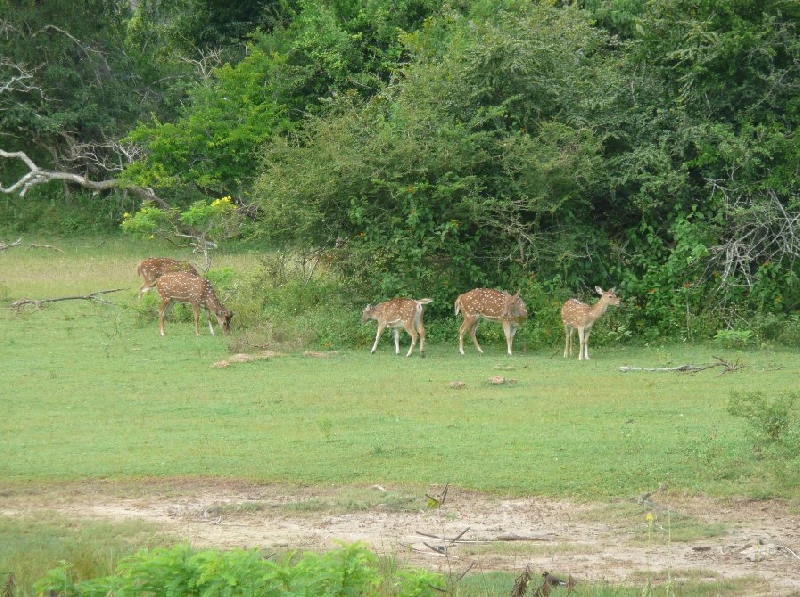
(580, 316)
(153, 268)
(186, 288)
(492, 305)
(397, 313)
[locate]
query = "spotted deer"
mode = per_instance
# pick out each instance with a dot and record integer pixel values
(580, 316)
(153, 268)
(397, 313)
(492, 305)
(185, 288)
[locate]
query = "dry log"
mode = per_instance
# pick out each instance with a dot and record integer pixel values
(727, 366)
(92, 296)
(4, 246)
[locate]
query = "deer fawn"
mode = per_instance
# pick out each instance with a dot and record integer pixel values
(397, 313)
(492, 305)
(153, 268)
(186, 288)
(580, 316)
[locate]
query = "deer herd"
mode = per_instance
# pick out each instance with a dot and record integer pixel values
(179, 281)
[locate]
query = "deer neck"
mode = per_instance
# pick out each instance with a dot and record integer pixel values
(598, 310)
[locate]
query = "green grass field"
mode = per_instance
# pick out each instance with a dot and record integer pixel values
(90, 391)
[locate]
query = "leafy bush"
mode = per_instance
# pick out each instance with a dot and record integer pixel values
(180, 571)
(734, 338)
(773, 422)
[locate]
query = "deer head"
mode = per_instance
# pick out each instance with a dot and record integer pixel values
(581, 317)
(153, 268)
(397, 313)
(492, 305)
(185, 288)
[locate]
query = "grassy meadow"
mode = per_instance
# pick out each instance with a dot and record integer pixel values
(91, 391)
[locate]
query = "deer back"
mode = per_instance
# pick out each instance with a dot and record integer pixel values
(186, 288)
(491, 304)
(394, 311)
(153, 268)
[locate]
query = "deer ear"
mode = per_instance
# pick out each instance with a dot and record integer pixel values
(598, 290)
(613, 290)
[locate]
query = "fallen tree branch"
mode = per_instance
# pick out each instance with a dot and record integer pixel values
(35, 246)
(92, 296)
(727, 366)
(4, 246)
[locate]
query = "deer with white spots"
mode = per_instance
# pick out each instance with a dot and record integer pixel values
(153, 268)
(397, 313)
(491, 305)
(185, 288)
(579, 316)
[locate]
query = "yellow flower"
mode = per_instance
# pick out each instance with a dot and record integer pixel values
(649, 517)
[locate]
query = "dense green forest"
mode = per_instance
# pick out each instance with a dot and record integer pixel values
(425, 147)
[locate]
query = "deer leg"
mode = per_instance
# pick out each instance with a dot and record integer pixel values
(196, 312)
(582, 342)
(568, 345)
(409, 327)
(461, 331)
(377, 337)
(509, 332)
(421, 331)
(210, 325)
(161, 311)
(473, 330)
(586, 333)
(397, 341)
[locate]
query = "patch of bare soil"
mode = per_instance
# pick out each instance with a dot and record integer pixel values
(592, 542)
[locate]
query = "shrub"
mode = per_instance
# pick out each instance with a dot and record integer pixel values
(772, 421)
(348, 570)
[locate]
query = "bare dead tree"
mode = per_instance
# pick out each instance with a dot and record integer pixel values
(208, 61)
(760, 229)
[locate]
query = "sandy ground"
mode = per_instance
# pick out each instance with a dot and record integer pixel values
(592, 542)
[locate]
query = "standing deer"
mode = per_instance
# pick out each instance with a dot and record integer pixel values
(492, 305)
(580, 316)
(153, 268)
(397, 313)
(186, 288)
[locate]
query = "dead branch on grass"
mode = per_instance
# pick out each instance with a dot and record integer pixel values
(4, 246)
(53, 247)
(92, 296)
(727, 366)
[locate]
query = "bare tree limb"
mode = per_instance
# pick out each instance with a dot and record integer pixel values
(760, 229)
(727, 366)
(92, 296)
(37, 176)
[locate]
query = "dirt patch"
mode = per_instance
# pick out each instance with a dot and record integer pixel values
(617, 543)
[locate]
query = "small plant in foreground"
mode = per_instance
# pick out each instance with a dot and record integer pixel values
(772, 420)
(348, 570)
